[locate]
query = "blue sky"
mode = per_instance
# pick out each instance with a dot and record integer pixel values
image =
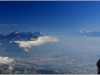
(49, 16)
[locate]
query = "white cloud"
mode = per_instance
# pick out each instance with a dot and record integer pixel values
(10, 69)
(84, 30)
(5, 60)
(81, 31)
(39, 41)
(8, 61)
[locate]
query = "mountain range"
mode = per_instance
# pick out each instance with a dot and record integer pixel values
(9, 48)
(87, 33)
(20, 36)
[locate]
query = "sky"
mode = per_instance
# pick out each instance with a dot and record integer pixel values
(49, 16)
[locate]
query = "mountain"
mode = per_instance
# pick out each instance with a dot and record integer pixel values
(9, 48)
(20, 36)
(87, 33)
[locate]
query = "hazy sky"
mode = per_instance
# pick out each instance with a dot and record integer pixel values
(49, 16)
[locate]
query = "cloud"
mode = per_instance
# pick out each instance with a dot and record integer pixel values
(39, 41)
(81, 31)
(5, 60)
(0, 44)
(84, 31)
(10, 68)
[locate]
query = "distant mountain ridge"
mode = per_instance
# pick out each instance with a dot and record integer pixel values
(87, 33)
(20, 36)
(9, 48)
